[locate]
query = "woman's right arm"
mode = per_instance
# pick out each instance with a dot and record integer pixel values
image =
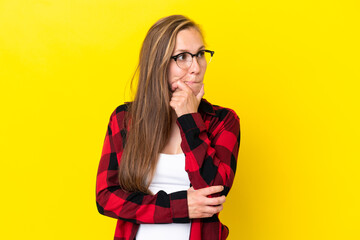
(135, 207)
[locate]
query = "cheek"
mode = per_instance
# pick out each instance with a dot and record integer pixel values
(175, 73)
(171, 72)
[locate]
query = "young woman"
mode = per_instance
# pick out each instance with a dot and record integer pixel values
(169, 157)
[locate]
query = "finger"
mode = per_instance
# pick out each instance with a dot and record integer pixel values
(204, 215)
(173, 105)
(212, 210)
(214, 201)
(211, 190)
(174, 86)
(178, 93)
(201, 93)
(183, 86)
(177, 99)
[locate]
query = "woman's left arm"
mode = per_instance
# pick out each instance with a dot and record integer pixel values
(210, 162)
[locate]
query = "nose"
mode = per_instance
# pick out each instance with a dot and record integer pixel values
(194, 67)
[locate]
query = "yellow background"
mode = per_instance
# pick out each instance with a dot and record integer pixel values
(290, 69)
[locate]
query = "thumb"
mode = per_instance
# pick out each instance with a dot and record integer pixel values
(201, 93)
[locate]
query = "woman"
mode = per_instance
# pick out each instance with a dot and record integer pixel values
(168, 139)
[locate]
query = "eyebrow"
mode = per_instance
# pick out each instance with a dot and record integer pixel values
(185, 50)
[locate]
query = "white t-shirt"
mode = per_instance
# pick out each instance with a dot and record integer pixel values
(170, 176)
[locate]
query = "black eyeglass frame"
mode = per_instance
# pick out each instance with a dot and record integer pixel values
(192, 55)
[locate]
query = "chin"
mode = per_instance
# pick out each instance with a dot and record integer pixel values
(195, 87)
(196, 91)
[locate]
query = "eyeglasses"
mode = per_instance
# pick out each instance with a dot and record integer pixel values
(185, 59)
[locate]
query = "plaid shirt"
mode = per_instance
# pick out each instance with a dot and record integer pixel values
(210, 142)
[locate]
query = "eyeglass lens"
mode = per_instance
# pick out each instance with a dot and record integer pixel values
(184, 60)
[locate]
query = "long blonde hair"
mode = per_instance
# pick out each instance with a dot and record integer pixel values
(149, 115)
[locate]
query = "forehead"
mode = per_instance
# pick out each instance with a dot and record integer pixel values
(188, 39)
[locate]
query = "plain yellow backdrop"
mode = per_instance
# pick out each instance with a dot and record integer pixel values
(290, 69)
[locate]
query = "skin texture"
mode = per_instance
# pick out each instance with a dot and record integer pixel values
(187, 85)
(188, 89)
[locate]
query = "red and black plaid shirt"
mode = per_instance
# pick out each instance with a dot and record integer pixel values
(210, 142)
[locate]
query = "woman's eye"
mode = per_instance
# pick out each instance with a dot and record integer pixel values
(200, 54)
(181, 57)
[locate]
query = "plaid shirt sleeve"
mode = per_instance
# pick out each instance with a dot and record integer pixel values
(134, 207)
(211, 145)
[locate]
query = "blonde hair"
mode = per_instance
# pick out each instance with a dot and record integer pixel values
(149, 115)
